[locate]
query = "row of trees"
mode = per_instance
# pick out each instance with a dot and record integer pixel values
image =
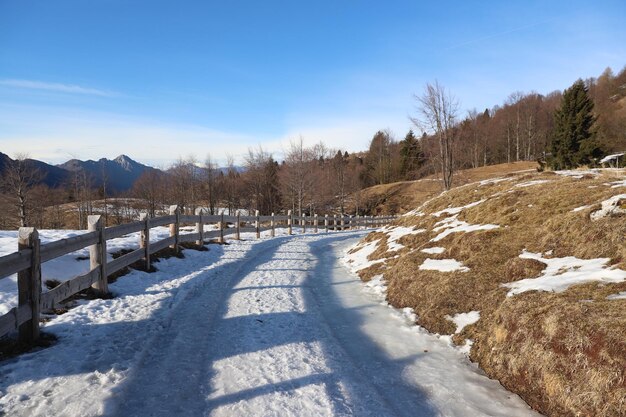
(565, 129)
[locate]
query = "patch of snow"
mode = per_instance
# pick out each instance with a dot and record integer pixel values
(578, 174)
(394, 233)
(531, 183)
(611, 157)
(434, 250)
(618, 296)
(357, 260)
(453, 225)
(580, 208)
(464, 319)
(616, 184)
(493, 181)
(457, 210)
(257, 327)
(562, 273)
(377, 286)
(609, 207)
(443, 265)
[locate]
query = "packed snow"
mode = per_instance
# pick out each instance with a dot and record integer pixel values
(461, 320)
(562, 273)
(257, 327)
(577, 209)
(443, 265)
(434, 250)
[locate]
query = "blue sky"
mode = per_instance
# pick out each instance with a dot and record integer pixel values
(160, 80)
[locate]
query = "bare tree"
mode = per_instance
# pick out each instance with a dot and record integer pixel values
(19, 178)
(210, 171)
(297, 181)
(438, 111)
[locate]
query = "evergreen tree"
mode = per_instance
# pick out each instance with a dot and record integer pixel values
(573, 138)
(410, 154)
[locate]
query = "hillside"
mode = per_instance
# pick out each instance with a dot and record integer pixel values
(403, 196)
(528, 270)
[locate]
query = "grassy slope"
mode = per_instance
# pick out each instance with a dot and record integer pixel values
(564, 353)
(403, 196)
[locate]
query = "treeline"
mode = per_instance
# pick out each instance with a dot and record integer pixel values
(320, 179)
(523, 128)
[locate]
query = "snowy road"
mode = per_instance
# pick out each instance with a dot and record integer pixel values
(277, 327)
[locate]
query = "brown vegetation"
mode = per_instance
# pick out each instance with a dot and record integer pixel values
(565, 352)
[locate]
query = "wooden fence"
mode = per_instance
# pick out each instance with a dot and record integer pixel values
(26, 262)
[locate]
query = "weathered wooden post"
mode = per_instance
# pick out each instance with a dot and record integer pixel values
(326, 222)
(289, 221)
(200, 227)
(273, 224)
(29, 284)
(343, 221)
(175, 227)
(334, 222)
(257, 224)
(315, 222)
(144, 239)
(98, 254)
(303, 220)
(222, 228)
(238, 226)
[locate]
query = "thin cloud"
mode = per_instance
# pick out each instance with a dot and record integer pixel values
(58, 87)
(499, 34)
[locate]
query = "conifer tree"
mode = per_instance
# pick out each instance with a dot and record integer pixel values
(573, 138)
(410, 154)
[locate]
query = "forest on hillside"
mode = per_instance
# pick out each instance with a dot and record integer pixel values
(319, 178)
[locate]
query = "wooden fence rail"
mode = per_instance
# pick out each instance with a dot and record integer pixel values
(26, 262)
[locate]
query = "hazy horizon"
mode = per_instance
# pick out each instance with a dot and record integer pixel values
(158, 81)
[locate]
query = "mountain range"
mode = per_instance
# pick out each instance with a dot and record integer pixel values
(119, 174)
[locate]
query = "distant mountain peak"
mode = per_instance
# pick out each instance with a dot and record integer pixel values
(125, 162)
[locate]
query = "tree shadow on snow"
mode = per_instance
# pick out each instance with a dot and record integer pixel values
(170, 373)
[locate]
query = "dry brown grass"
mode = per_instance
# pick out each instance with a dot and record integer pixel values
(401, 197)
(564, 353)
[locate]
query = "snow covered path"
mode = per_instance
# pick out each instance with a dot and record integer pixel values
(276, 327)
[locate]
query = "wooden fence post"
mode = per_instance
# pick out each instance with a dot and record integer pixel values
(315, 222)
(303, 220)
(175, 227)
(326, 222)
(222, 228)
(334, 222)
(200, 227)
(144, 239)
(257, 224)
(238, 226)
(289, 221)
(98, 254)
(273, 224)
(29, 284)
(343, 221)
